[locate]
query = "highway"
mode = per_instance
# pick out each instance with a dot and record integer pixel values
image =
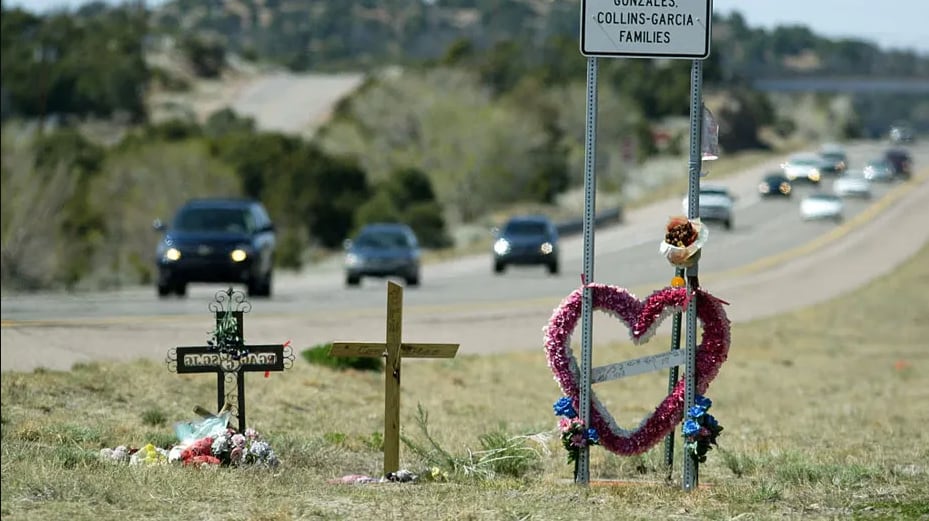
(462, 300)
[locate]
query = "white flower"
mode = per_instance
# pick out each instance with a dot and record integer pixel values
(175, 453)
(220, 445)
(260, 449)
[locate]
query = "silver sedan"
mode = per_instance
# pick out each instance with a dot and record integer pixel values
(852, 184)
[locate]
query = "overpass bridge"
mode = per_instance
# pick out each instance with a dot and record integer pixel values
(844, 85)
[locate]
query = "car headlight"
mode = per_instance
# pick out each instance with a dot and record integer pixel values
(546, 248)
(352, 260)
(238, 255)
(502, 247)
(764, 188)
(784, 188)
(172, 254)
(814, 175)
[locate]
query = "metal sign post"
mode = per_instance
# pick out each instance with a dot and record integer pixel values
(613, 29)
(582, 469)
(693, 211)
(673, 375)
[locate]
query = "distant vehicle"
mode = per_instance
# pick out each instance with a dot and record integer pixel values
(803, 167)
(834, 159)
(878, 169)
(902, 133)
(900, 161)
(383, 250)
(822, 206)
(775, 185)
(852, 183)
(527, 240)
(216, 240)
(716, 205)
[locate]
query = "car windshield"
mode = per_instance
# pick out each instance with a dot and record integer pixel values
(714, 191)
(824, 198)
(383, 239)
(525, 228)
(878, 163)
(230, 220)
(775, 179)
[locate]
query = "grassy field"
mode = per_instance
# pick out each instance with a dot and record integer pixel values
(824, 409)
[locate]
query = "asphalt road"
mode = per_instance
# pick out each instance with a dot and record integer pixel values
(463, 301)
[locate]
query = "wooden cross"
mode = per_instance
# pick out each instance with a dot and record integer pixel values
(394, 349)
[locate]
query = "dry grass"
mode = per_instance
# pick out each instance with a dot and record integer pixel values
(824, 412)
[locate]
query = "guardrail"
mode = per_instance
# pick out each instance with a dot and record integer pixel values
(604, 218)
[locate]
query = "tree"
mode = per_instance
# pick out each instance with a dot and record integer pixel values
(206, 56)
(740, 119)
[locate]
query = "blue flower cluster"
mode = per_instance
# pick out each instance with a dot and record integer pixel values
(574, 433)
(700, 429)
(564, 407)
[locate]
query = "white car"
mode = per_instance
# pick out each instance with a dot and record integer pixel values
(716, 204)
(852, 184)
(822, 206)
(803, 167)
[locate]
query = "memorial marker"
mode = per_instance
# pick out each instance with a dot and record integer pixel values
(228, 356)
(394, 350)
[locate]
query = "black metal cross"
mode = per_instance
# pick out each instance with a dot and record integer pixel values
(227, 355)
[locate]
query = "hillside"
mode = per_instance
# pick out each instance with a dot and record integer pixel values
(354, 34)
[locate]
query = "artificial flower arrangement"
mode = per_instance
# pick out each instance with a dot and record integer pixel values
(575, 435)
(684, 238)
(211, 443)
(642, 317)
(229, 448)
(147, 455)
(700, 429)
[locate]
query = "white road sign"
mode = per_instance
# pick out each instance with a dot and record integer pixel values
(646, 28)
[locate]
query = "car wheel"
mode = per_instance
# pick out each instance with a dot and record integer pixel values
(553, 268)
(267, 284)
(164, 290)
(260, 288)
(180, 289)
(499, 267)
(352, 280)
(412, 281)
(728, 224)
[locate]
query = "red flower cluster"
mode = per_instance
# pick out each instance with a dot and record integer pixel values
(200, 452)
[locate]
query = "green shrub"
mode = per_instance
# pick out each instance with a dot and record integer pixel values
(319, 355)
(163, 439)
(154, 417)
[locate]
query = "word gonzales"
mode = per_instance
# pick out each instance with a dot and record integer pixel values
(646, 28)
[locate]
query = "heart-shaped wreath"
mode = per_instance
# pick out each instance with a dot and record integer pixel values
(642, 318)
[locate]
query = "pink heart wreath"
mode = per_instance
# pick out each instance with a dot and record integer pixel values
(642, 318)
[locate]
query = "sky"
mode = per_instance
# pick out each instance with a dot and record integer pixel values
(891, 24)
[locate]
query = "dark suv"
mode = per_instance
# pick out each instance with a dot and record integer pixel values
(900, 161)
(530, 239)
(217, 240)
